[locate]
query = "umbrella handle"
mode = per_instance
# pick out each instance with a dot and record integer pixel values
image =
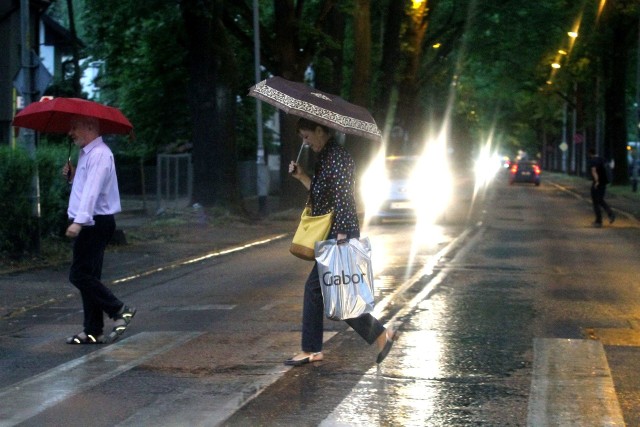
(69, 164)
(69, 170)
(300, 153)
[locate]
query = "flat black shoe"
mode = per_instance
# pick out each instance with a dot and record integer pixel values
(387, 346)
(303, 361)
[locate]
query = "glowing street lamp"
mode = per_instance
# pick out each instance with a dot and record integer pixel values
(573, 34)
(555, 65)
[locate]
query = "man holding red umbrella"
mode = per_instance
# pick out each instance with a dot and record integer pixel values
(93, 202)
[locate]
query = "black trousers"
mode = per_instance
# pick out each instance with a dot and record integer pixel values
(597, 198)
(367, 326)
(86, 272)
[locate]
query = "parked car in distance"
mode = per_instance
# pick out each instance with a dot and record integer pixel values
(525, 171)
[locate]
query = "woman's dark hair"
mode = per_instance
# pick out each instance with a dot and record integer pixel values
(306, 124)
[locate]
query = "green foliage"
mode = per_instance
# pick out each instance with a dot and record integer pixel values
(501, 80)
(54, 190)
(144, 75)
(17, 222)
(491, 65)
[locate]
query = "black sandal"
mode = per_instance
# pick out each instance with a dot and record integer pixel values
(87, 339)
(126, 314)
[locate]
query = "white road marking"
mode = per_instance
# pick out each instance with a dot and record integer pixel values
(30, 397)
(204, 307)
(270, 306)
(193, 407)
(572, 385)
(198, 259)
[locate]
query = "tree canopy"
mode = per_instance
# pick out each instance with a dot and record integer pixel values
(181, 70)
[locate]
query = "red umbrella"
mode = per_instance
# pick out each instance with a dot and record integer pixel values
(330, 110)
(55, 115)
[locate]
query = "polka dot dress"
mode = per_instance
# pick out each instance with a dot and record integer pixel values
(333, 188)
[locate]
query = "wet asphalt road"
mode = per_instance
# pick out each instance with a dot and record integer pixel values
(471, 298)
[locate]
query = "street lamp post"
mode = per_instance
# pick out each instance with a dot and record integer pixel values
(574, 129)
(262, 171)
(27, 136)
(563, 145)
(634, 181)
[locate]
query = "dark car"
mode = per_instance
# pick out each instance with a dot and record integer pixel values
(525, 171)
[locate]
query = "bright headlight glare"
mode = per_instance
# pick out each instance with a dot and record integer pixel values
(375, 186)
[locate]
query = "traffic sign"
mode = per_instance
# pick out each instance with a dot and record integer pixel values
(41, 78)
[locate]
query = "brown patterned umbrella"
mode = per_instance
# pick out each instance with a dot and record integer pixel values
(305, 101)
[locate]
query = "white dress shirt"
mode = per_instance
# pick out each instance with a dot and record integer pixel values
(95, 185)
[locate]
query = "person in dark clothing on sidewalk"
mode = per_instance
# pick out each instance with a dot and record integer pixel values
(93, 201)
(598, 187)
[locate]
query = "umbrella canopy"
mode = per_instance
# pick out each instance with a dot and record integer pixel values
(305, 101)
(55, 115)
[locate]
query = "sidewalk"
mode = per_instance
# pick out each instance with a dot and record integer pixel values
(621, 198)
(152, 241)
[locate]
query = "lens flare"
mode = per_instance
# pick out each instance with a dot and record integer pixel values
(487, 164)
(418, 187)
(431, 182)
(375, 185)
(432, 188)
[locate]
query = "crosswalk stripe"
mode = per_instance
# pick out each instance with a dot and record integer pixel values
(572, 385)
(28, 398)
(202, 307)
(196, 408)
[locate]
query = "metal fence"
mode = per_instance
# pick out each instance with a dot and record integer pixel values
(174, 181)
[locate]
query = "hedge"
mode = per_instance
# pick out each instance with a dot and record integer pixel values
(18, 223)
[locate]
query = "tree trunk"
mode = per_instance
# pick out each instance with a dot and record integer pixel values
(615, 63)
(211, 67)
(292, 60)
(362, 60)
(77, 88)
(409, 109)
(287, 57)
(390, 60)
(329, 75)
(361, 150)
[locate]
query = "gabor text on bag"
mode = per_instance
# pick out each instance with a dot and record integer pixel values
(330, 280)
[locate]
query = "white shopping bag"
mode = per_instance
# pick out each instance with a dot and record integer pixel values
(346, 277)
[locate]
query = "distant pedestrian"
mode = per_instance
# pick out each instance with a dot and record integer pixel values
(93, 201)
(598, 188)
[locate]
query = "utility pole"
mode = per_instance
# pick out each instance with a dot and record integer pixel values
(563, 145)
(28, 136)
(262, 171)
(634, 166)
